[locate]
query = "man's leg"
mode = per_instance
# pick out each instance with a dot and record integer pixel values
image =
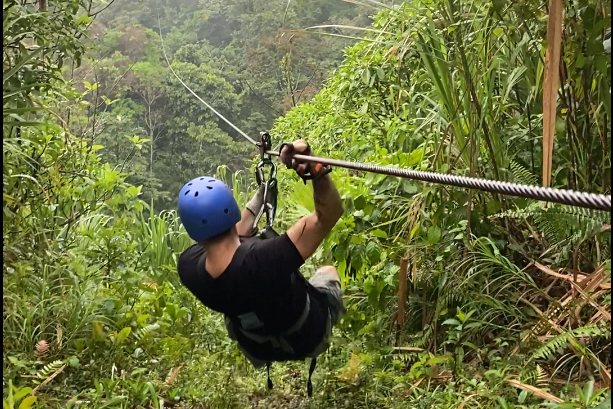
(328, 282)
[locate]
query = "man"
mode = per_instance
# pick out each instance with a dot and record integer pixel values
(269, 307)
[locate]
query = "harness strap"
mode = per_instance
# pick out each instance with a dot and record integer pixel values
(277, 341)
(270, 385)
(309, 383)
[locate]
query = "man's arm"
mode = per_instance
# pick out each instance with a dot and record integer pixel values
(245, 225)
(308, 233)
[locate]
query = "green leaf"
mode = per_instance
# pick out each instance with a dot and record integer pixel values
(359, 202)
(580, 61)
(123, 335)
(587, 392)
(606, 404)
(414, 231)
(366, 76)
(73, 361)
(373, 252)
(379, 233)
(138, 371)
(522, 397)
(27, 57)
(22, 392)
(451, 321)
(11, 397)
(409, 187)
(493, 206)
(113, 401)
(27, 402)
(341, 267)
(357, 239)
(154, 395)
(364, 109)
(434, 235)
(84, 19)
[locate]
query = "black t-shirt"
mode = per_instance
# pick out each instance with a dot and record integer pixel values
(264, 280)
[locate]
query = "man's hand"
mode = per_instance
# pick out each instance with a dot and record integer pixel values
(287, 155)
(308, 233)
(306, 170)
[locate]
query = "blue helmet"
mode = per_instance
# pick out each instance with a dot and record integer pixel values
(207, 208)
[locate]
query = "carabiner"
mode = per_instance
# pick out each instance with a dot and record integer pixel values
(270, 185)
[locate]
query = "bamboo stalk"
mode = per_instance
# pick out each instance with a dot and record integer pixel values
(404, 262)
(550, 85)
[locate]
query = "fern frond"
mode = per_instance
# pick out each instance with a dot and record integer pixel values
(143, 332)
(593, 331)
(561, 223)
(49, 369)
(523, 175)
(548, 350)
(542, 378)
(536, 376)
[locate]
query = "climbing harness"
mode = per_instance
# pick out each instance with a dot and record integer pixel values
(561, 196)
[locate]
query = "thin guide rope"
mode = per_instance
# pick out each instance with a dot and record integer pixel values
(196, 95)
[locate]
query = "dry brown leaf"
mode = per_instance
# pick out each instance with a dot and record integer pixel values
(392, 51)
(59, 333)
(535, 391)
(404, 350)
(173, 374)
(584, 279)
(466, 399)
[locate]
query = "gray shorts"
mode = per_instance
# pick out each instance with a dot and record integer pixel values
(328, 283)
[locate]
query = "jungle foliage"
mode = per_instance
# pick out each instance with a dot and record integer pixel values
(508, 301)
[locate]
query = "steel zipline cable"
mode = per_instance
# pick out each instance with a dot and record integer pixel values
(568, 197)
(561, 196)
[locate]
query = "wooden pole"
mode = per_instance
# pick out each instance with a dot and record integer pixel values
(402, 292)
(550, 84)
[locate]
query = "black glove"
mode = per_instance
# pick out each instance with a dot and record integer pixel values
(306, 170)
